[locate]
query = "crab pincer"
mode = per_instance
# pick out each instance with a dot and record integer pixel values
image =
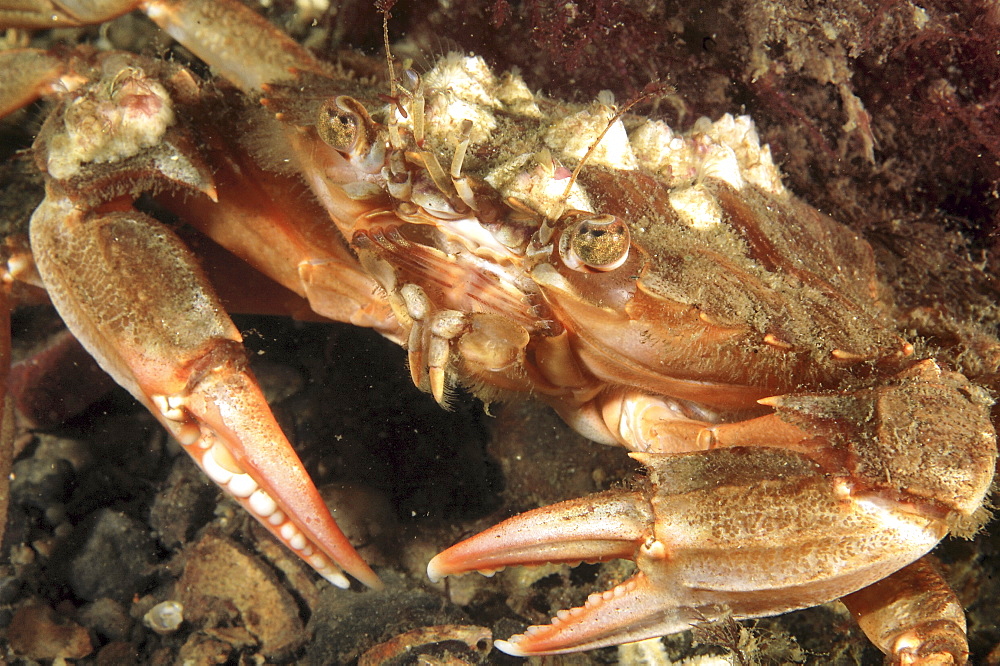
(180, 355)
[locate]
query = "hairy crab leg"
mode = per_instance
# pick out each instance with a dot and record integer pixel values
(228, 36)
(275, 226)
(913, 615)
(128, 289)
(7, 430)
(212, 29)
(32, 73)
(42, 14)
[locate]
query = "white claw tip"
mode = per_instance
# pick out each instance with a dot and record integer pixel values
(337, 579)
(510, 648)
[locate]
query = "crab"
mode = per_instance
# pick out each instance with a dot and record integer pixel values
(660, 291)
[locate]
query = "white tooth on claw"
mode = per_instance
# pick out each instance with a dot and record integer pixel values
(293, 537)
(298, 542)
(214, 470)
(262, 504)
(224, 458)
(242, 486)
(276, 518)
(171, 406)
(188, 434)
(208, 440)
(288, 530)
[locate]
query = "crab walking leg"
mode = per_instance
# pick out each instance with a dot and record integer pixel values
(913, 616)
(298, 248)
(7, 430)
(30, 74)
(223, 33)
(273, 224)
(42, 14)
(232, 38)
(129, 291)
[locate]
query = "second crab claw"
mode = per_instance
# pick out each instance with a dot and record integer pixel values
(117, 278)
(750, 531)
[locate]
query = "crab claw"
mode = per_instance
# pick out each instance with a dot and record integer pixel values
(136, 299)
(743, 531)
(611, 525)
(593, 529)
(791, 522)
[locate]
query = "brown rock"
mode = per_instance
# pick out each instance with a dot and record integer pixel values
(221, 580)
(117, 652)
(37, 632)
(204, 650)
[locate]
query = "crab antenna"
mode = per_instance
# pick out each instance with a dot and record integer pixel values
(647, 93)
(385, 6)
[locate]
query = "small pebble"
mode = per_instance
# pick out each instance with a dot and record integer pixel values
(165, 617)
(107, 619)
(40, 483)
(114, 559)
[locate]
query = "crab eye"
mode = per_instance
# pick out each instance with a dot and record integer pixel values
(337, 126)
(595, 243)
